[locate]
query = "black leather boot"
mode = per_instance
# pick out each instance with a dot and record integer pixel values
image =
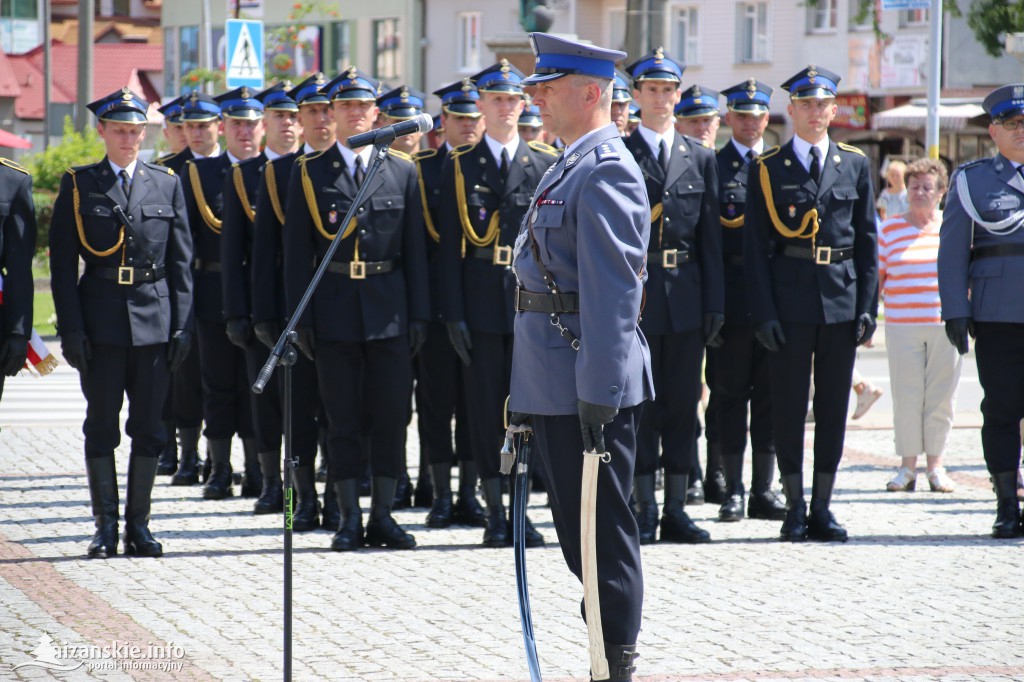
(496, 531)
(732, 509)
(252, 477)
(403, 492)
(821, 524)
(306, 515)
(188, 467)
(533, 536)
(620, 661)
(423, 497)
(138, 541)
(440, 515)
(271, 498)
(1008, 519)
(645, 508)
(218, 487)
(167, 464)
(676, 525)
(382, 530)
(794, 528)
(467, 510)
(763, 503)
(103, 494)
(321, 470)
(330, 513)
(349, 534)
(715, 491)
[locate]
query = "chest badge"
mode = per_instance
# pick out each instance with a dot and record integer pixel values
(332, 217)
(731, 210)
(483, 214)
(792, 211)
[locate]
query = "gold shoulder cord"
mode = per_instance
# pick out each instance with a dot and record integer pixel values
(242, 195)
(275, 200)
(314, 213)
(427, 220)
(204, 208)
(809, 217)
(468, 233)
(77, 203)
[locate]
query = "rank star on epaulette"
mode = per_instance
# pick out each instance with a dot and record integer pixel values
(571, 161)
(604, 151)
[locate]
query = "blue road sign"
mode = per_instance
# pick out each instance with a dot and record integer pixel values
(244, 53)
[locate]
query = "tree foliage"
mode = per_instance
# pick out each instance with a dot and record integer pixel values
(75, 149)
(992, 19)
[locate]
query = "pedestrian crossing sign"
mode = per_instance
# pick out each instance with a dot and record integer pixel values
(244, 53)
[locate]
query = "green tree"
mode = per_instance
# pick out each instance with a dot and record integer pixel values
(75, 149)
(992, 19)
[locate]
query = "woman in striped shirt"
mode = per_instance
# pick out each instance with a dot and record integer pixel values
(924, 367)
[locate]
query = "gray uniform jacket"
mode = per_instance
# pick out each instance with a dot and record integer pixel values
(993, 283)
(592, 222)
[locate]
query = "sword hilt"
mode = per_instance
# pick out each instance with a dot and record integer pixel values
(508, 453)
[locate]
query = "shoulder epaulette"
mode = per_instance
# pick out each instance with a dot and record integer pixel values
(969, 164)
(399, 154)
(769, 153)
(157, 166)
(424, 154)
(461, 149)
(849, 148)
(11, 164)
(606, 152)
(541, 147)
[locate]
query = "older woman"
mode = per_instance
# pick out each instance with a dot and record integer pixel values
(923, 366)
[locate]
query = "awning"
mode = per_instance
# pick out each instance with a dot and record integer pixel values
(11, 140)
(914, 116)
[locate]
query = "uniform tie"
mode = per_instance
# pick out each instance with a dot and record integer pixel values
(815, 169)
(126, 184)
(504, 165)
(663, 156)
(750, 156)
(359, 173)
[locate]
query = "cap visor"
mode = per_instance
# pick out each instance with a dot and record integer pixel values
(541, 78)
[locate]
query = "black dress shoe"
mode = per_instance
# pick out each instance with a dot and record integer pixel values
(695, 493)
(468, 511)
(271, 499)
(647, 522)
(424, 495)
(677, 526)
(403, 493)
(1008, 518)
(188, 470)
(766, 505)
(822, 526)
(794, 528)
(440, 515)
(732, 510)
(252, 484)
(330, 515)
(384, 531)
(306, 515)
(349, 536)
(104, 542)
(167, 464)
(138, 541)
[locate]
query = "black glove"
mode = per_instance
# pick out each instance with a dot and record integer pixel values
(866, 326)
(239, 331)
(267, 332)
(12, 354)
(518, 418)
(76, 350)
(957, 330)
(177, 349)
(712, 330)
(592, 420)
(306, 341)
(417, 335)
(458, 334)
(770, 335)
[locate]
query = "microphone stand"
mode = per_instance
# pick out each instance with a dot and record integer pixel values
(284, 354)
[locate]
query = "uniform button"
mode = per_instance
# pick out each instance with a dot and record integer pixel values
(614, 389)
(130, 238)
(360, 209)
(389, 202)
(131, 217)
(131, 260)
(667, 219)
(689, 187)
(666, 192)
(362, 233)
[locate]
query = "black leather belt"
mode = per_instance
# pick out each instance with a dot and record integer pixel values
(127, 275)
(361, 269)
(734, 259)
(669, 258)
(997, 250)
(529, 301)
(822, 255)
(499, 255)
(206, 265)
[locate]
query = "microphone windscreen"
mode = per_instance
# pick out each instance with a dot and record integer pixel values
(426, 122)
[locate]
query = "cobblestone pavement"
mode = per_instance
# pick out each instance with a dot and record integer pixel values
(920, 593)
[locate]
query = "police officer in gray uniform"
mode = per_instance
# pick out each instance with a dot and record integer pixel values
(17, 246)
(579, 263)
(810, 252)
(981, 266)
(124, 325)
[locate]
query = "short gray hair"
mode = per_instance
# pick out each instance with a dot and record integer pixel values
(603, 84)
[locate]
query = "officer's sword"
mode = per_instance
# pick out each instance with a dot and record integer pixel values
(508, 459)
(588, 551)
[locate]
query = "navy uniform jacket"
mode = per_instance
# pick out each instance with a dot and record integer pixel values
(429, 164)
(110, 313)
(797, 289)
(733, 176)
(678, 298)
(267, 250)
(389, 225)
(176, 162)
(475, 290)
(17, 247)
(987, 289)
(592, 223)
(205, 203)
(236, 237)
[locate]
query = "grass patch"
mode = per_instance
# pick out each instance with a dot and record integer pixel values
(44, 316)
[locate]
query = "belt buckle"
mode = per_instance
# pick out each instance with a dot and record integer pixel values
(515, 301)
(357, 270)
(670, 258)
(823, 255)
(126, 275)
(502, 255)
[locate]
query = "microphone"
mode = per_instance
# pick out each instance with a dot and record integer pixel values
(387, 134)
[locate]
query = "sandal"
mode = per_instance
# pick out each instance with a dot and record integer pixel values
(939, 481)
(905, 481)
